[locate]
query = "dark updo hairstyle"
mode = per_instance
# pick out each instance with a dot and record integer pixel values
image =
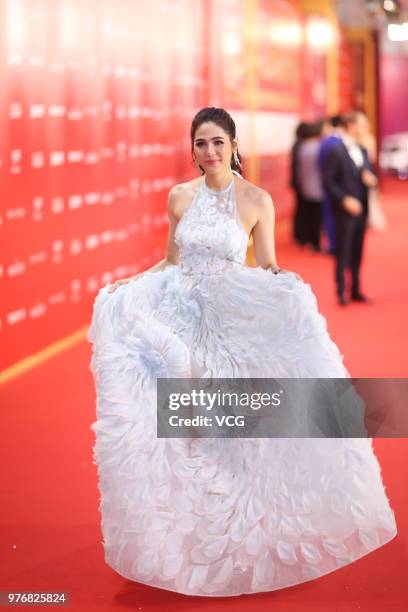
(224, 121)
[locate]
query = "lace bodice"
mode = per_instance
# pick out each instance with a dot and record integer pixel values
(210, 235)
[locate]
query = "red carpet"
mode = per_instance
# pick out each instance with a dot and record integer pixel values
(50, 522)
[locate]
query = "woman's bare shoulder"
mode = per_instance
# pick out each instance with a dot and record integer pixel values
(254, 196)
(181, 194)
(181, 189)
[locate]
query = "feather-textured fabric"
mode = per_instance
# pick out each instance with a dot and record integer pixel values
(220, 517)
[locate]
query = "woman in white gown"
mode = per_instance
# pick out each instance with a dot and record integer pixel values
(222, 516)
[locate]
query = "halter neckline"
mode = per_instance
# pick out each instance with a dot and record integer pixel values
(215, 192)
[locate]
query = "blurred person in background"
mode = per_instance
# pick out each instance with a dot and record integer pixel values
(347, 175)
(332, 136)
(309, 182)
(299, 216)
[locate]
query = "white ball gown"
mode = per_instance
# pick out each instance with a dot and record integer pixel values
(220, 517)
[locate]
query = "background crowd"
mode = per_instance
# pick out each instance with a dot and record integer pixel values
(334, 181)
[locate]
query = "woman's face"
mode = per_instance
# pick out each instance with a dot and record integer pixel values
(212, 148)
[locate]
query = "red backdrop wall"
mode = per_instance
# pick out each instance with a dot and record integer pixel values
(95, 108)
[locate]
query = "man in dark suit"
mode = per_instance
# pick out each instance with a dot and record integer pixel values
(347, 175)
(334, 128)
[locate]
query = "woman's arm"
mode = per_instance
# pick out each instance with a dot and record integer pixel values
(264, 236)
(264, 233)
(172, 256)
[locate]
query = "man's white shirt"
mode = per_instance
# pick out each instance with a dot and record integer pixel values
(353, 149)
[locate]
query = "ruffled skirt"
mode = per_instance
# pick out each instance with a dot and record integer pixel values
(219, 517)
